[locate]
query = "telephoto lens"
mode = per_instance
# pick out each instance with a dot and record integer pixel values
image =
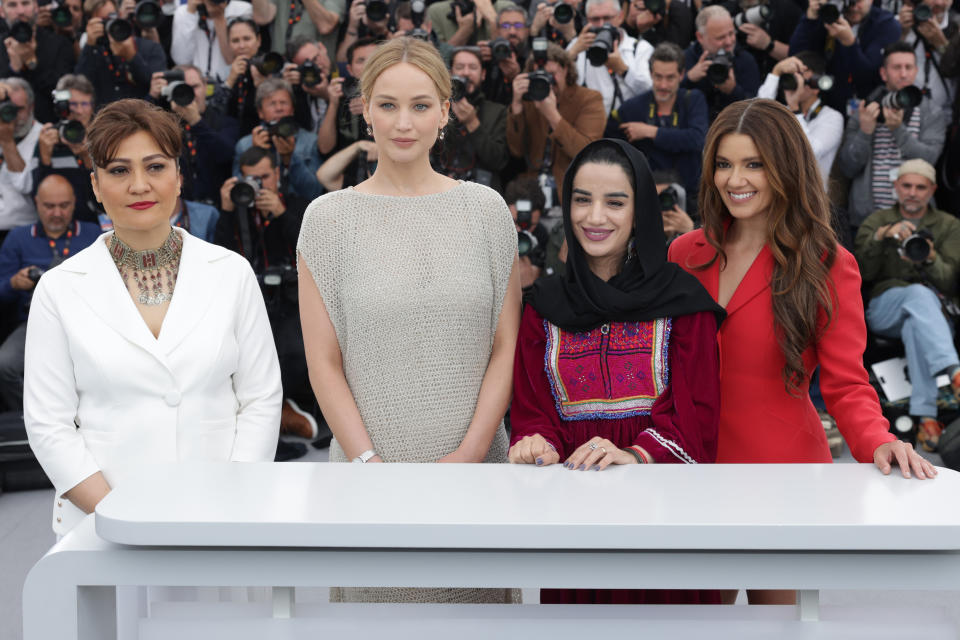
(540, 83)
(268, 63)
(602, 46)
(310, 74)
(119, 29)
(458, 86)
(377, 10)
(245, 192)
(922, 13)
(757, 15)
(668, 199)
(906, 98)
(72, 131)
(21, 31)
(35, 273)
(8, 111)
(829, 13)
(526, 243)
(563, 13)
(61, 17)
(284, 127)
(915, 247)
(148, 14)
(719, 69)
(500, 49)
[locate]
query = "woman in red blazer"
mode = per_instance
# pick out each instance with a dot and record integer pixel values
(768, 255)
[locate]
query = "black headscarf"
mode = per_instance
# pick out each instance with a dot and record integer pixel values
(648, 287)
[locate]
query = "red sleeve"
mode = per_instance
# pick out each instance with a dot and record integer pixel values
(532, 410)
(686, 415)
(843, 380)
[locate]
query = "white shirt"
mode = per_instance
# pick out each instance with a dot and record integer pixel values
(635, 54)
(190, 44)
(16, 204)
(942, 89)
(822, 124)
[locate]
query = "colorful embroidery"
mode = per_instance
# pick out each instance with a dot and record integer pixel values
(614, 371)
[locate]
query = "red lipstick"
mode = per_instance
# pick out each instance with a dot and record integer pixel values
(140, 206)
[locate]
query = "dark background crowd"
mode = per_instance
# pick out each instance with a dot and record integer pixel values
(268, 95)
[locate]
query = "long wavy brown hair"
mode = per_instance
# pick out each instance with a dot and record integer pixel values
(799, 234)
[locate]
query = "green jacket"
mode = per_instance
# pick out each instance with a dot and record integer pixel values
(882, 267)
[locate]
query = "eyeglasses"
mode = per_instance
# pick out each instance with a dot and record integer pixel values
(81, 104)
(513, 25)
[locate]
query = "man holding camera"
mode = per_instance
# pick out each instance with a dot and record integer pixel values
(209, 134)
(117, 62)
(475, 146)
(344, 93)
(26, 253)
(280, 134)
(315, 20)
(308, 72)
(716, 66)
(263, 224)
(928, 26)
(802, 78)
(766, 26)
(506, 55)
(19, 132)
(200, 34)
(608, 60)
(891, 126)
(851, 40)
(366, 20)
(38, 55)
(464, 22)
(909, 256)
(552, 118)
(556, 20)
(525, 200)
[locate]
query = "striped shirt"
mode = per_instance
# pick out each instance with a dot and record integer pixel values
(887, 160)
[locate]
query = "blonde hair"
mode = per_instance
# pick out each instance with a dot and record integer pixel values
(413, 51)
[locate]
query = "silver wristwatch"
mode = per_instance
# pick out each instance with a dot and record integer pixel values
(365, 456)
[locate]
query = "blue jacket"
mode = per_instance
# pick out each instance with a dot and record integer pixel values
(677, 147)
(744, 69)
(302, 176)
(28, 246)
(201, 218)
(855, 68)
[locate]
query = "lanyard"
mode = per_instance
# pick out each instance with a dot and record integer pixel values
(296, 12)
(63, 254)
(675, 115)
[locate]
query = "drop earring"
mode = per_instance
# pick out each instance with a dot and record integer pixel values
(441, 134)
(369, 131)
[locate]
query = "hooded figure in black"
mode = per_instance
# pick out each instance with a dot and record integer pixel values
(617, 371)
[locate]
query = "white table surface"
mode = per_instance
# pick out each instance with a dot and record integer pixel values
(483, 506)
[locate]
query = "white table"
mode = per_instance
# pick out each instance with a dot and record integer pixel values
(805, 527)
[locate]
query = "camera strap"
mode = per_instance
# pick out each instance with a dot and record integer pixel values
(59, 256)
(296, 12)
(243, 225)
(929, 60)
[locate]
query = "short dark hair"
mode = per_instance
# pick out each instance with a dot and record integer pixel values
(254, 155)
(666, 176)
(667, 52)
(359, 44)
(813, 61)
(897, 47)
(119, 120)
(525, 189)
(296, 43)
(474, 51)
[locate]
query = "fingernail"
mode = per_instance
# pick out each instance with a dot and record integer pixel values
(539, 461)
(595, 467)
(582, 467)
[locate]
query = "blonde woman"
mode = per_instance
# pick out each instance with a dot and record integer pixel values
(409, 296)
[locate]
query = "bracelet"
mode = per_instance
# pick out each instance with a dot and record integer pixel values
(635, 454)
(365, 456)
(769, 47)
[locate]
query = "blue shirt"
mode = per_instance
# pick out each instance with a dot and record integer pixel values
(28, 246)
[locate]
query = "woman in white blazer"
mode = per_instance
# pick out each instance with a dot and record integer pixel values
(150, 345)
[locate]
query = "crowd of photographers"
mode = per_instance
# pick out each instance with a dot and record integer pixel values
(268, 95)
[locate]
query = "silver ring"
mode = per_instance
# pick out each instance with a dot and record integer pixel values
(897, 236)
(593, 446)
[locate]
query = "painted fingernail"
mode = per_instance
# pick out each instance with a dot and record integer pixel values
(539, 461)
(582, 467)
(595, 467)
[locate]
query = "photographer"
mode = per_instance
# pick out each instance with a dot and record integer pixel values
(659, 21)
(674, 204)
(235, 95)
(549, 131)
(512, 26)
(822, 124)
(716, 66)
(556, 20)
(525, 200)
(117, 68)
(909, 256)
(279, 133)
(345, 95)
(41, 60)
(930, 39)
(474, 147)
(623, 70)
(208, 134)
(314, 20)
(464, 22)
(361, 26)
(26, 253)
(669, 124)
(263, 225)
(852, 57)
(881, 136)
(765, 27)
(200, 34)
(308, 72)
(58, 149)
(18, 144)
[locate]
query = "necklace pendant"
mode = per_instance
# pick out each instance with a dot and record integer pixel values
(144, 299)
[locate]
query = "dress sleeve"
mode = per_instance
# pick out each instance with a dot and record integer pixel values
(532, 409)
(686, 415)
(843, 380)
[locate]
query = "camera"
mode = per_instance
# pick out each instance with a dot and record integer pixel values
(245, 192)
(526, 243)
(500, 49)
(669, 198)
(922, 13)
(377, 10)
(70, 131)
(60, 15)
(310, 74)
(117, 28)
(458, 85)
(915, 248)
(788, 82)
(563, 13)
(177, 90)
(906, 98)
(268, 63)
(524, 213)
(34, 273)
(418, 10)
(756, 15)
(602, 46)
(656, 7)
(540, 83)
(466, 7)
(8, 111)
(285, 127)
(147, 14)
(21, 31)
(830, 13)
(720, 64)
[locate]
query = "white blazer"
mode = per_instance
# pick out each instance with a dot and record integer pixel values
(102, 394)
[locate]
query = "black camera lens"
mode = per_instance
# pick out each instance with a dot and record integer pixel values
(310, 74)
(458, 85)
(8, 111)
(922, 13)
(719, 70)
(540, 83)
(829, 14)
(916, 248)
(377, 10)
(668, 199)
(21, 31)
(72, 131)
(61, 17)
(268, 63)
(525, 243)
(34, 273)
(147, 14)
(284, 127)
(180, 93)
(906, 98)
(119, 29)
(245, 192)
(563, 13)
(602, 45)
(501, 49)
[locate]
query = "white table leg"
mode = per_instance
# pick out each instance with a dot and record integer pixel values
(283, 602)
(808, 605)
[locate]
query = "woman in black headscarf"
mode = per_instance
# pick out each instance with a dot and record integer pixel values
(617, 360)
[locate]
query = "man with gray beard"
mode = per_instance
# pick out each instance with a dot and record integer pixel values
(18, 142)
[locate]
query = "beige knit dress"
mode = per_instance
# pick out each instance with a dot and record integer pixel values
(414, 287)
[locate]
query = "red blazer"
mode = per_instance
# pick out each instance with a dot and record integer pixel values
(759, 420)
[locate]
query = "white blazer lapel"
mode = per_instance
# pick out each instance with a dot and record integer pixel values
(195, 291)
